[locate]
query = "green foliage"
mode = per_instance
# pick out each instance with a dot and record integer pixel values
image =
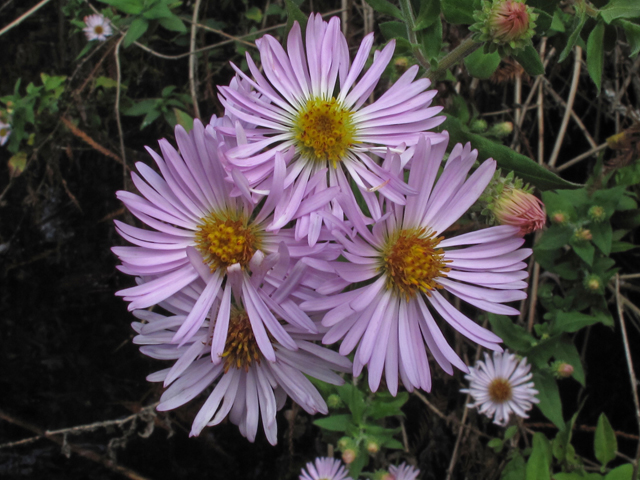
(595, 53)
(605, 443)
(539, 463)
(365, 422)
(166, 105)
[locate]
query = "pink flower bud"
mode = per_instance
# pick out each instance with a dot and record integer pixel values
(509, 21)
(519, 208)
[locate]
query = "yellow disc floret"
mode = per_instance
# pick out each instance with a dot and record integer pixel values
(412, 261)
(500, 390)
(324, 130)
(98, 30)
(240, 349)
(225, 239)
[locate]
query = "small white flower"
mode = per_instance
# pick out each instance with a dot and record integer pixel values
(5, 132)
(98, 27)
(500, 386)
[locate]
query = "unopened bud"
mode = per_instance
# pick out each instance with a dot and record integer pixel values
(345, 443)
(373, 447)
(582, 235)
(597, 213)
(348, 456)
(593, 283)
(334, 401)
(519, 208)
(501, 129)
(505, 25)
(559, 217)
(478, 125)
(565, 370)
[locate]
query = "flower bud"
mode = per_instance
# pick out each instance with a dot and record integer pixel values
(334, 401)
(582, 235)
(597, 213)
(348, 456)
(559, 217)
(373, 447)
(501, 130)
(478, 125)
(565, 370)
(519, 208)
(505, 25)
(593, 283)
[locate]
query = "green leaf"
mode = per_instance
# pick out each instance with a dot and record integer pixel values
(131, 7)
(136, 30)
(602, 236)
(556, 236)
(354, 399)
(458, 12)
(550, 404)
(386, 7)
(106, 82)
(159, 10)
(497, 444)
(334, 423)
(510, 432)
(141, 108)
(604, 442)
(623, 472)
(183, 119)
(571, 322)
(620, 9)
(632, 32)
(431, 39)
(294, 14)
(556, 24)
(515, 469)
(254, 13)
(513, 335)
(530, 60)
(507, 159)
(540, 460)
(429, 13)
(579, 21)
(150, 118)
(393, 444)
(385, 405)
(584, 250)
(595, 54)
(576, 476)
(173, 24)
(482, 65)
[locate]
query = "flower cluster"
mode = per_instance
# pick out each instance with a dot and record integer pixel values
(288, 224)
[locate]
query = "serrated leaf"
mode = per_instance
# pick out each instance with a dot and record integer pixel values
(632, 32)
(530, 60)
(136, 30)
(623, 472)
(620, 9)
(540, 460)
(605, 442)
(173, 24)
(571, 322)
(512, 334)
(482, 65)
(458, 12)
(334, 423)
(130, 7)
(549, 396)
(579, 21)
(294, 14)
(507, 159)
(595, 54)
(386, 7)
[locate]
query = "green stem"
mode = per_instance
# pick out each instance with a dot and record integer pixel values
(468, 46)
(407, 13)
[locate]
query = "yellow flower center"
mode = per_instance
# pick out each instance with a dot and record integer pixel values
(241, 348)
(500, 390)
(412, 261)
(324, 130)
(3, 132)
(224, 240)
(98, 30)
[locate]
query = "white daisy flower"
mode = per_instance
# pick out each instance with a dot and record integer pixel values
(98, 27)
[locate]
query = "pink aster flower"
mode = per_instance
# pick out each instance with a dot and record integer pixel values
(204, 243)
(98, 27)
(408, 262)
(403, 472)
(325, 469)
(5, 132)
(309, 105)
(500, 386)
(519, 208)
(247, 386)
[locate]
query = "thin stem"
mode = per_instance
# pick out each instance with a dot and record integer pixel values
(468, 46)
(407, 13)
(581, 157)
(632, 374)
(24, 16)
(193, 60)
(572, 96)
